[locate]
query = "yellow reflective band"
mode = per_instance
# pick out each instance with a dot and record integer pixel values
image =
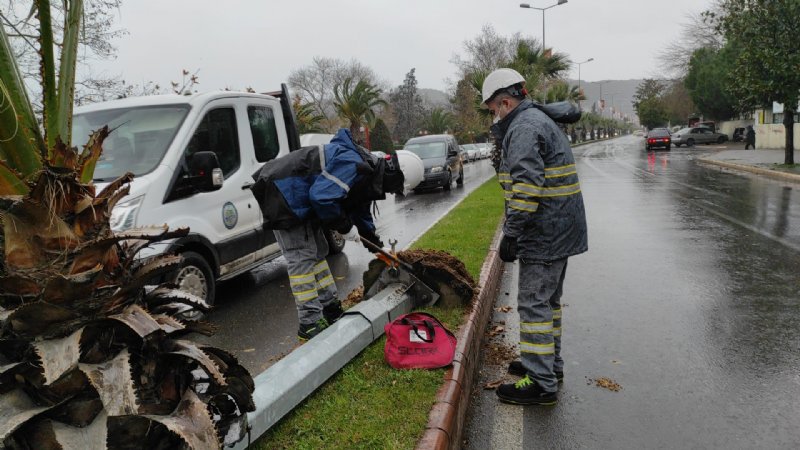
(325, 282)
(559, 168)
(559, 175)
(302, 279)
(560, 191)
(556, 313)
(306, 296)
(522, 205)
(536, 327)
(537, 349)
(321, 267)
(556, 332)
(528, 189)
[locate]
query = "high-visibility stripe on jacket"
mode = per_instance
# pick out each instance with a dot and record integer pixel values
(544, 204)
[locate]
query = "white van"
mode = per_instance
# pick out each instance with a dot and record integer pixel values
(161, 140)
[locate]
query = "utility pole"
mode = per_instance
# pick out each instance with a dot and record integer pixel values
(544, 47)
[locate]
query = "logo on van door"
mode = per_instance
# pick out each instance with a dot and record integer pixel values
(229, 215)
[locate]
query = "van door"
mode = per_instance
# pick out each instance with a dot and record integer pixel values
(226, 217)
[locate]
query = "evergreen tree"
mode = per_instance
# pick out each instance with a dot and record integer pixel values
(381, 138)
(407, 106)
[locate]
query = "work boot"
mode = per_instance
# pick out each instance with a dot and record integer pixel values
(526, 392)
(308, 331)
(516, 369)
(332, 311)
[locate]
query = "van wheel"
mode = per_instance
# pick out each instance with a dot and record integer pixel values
(720, 140)
(460, 180)
(335, 242)
(449, 183)
(195, 277)
(690, 142)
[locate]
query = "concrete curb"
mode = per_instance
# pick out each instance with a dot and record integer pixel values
(448, 414)
(288, 382)
(774, 174)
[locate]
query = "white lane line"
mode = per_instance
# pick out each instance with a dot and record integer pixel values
(508, 427)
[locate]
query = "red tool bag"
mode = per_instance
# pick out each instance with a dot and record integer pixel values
(418, 341)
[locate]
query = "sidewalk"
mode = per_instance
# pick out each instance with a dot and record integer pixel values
(766, 162)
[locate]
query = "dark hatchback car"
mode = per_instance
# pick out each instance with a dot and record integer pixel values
(658, 138)
(442, 159)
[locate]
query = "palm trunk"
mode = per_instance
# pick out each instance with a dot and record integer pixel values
(788, 123)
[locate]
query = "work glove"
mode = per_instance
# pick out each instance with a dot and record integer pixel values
(508, 249)
(351, 235)
(373, 238)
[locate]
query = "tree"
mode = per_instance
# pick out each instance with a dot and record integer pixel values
(709, 82)
(356, 104)
(486, 52)
(470, 122)
(766, 33)
(678, 103)
(438, 121)
(695, 34)
(561, 91)
(308, 121)
(648, 103)
(88, 357)
(407, 107)
(95, 41)
(381, 138)
(315, 83)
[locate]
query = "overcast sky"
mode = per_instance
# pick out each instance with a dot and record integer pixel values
(239, 43)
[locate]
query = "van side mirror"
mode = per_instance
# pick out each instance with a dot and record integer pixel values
(205, 175)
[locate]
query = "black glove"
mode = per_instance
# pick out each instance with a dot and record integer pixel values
(342, 226)
(373, 238)
(508, 249)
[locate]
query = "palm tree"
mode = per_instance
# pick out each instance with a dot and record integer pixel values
(308, 121)
(560, 91)
(438, 121)
(88, 356)
(355, 104)
(536, 65)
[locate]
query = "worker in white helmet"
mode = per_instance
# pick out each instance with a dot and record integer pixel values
(545, 224)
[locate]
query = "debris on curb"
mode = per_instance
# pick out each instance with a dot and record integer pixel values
(493, 384)
(503, 309)
(355, 297)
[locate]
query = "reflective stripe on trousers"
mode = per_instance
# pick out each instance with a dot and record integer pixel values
(539, 306)
(310, 278)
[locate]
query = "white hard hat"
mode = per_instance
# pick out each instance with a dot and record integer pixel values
(500, 79)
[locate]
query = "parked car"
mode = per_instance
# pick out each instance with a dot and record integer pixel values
(739, 134)
(442, 159)
(697, 135)
(658, 138)
(472, 151)
(485, 150)
(160, 139)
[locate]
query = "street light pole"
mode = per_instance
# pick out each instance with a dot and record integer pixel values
(527, 6)
(579, 71)
(544, 47)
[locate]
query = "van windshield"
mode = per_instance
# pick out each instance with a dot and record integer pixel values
(139, 139)
(427, 150)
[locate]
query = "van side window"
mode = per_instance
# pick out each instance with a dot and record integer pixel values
(264, 132)
(217, 133)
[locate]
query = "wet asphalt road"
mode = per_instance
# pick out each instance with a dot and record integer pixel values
(688, 298)
(255, 312)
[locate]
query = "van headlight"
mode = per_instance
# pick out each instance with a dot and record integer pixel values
(123, 216)
(436, 169)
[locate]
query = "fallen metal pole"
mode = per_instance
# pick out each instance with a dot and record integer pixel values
(291, 380)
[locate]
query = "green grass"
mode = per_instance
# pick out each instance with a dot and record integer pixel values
(369, 405)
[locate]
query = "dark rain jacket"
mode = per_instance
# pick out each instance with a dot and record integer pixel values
(331, 184)
(544, 204)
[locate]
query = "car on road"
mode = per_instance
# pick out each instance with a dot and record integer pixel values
(485, 150)
(658, 138)
(697, 135)
(472, 151)
(442, 159)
